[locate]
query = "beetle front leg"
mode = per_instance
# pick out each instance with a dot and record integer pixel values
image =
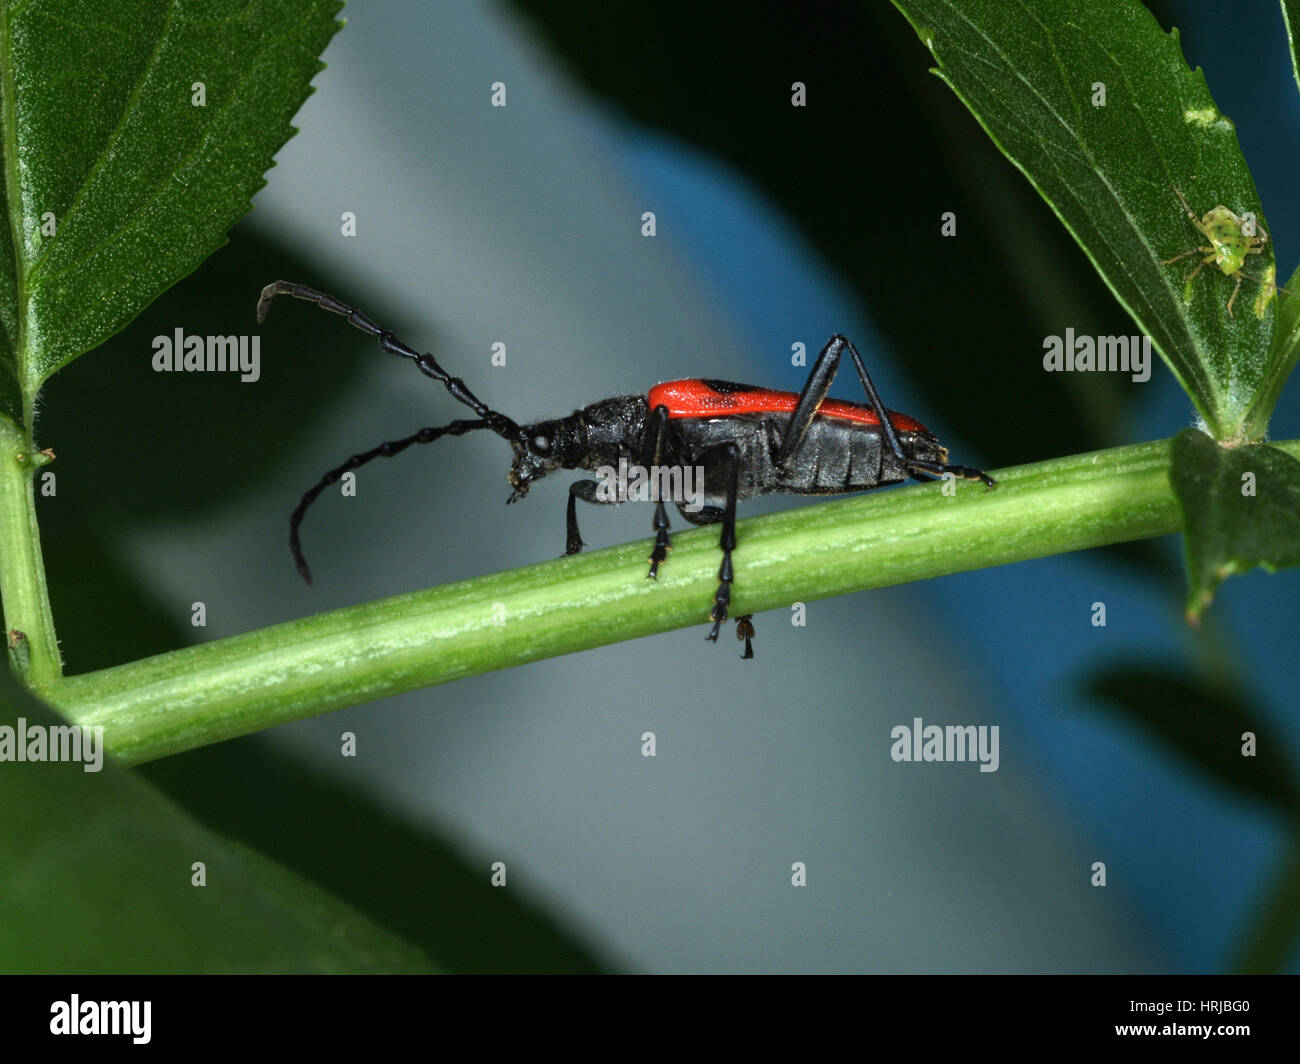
(586, 491)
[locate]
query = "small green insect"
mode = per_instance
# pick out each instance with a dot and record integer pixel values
(1231, 239)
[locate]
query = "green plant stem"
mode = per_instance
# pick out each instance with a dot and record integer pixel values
(22, 570)
(199, 695)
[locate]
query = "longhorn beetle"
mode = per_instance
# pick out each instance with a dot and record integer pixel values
(749, 441)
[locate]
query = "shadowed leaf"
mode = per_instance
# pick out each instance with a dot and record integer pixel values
(133, 136)
(95, 876)
(1205, 725)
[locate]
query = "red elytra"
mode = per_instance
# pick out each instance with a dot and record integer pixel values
(709, 398)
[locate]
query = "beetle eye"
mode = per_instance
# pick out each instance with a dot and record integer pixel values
(541, 445)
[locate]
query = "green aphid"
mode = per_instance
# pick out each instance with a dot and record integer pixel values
(1229, 245)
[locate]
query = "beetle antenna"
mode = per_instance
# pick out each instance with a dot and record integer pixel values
(426, 363)
(384, 450)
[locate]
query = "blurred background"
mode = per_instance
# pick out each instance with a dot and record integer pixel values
(775, 225)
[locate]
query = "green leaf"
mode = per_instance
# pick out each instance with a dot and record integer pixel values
(95, 876)
(117, 183)
(1204, 722)
(1291, 19)
(1286, 340)
(1241, 508)
(1282, 360)
(1029, 73)
(305, 817)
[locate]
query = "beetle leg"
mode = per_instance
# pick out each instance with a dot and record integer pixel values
(938, 469)
(711, 515)
(705, 515)
(745, 631)
(814, 393)
(652, 453)
(728, 456)
(586, 491)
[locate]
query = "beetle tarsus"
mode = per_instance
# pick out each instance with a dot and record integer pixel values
(660, 554)
(662, 543)
(745, 631)
(722, 597)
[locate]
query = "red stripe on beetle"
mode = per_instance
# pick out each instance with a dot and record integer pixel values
(708, 398)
